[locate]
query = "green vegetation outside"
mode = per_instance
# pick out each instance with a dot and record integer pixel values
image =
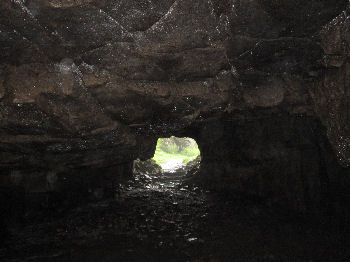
(172, 148)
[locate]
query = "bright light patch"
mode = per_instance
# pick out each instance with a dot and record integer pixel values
(174, 152)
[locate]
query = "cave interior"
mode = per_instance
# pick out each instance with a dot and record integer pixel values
(87, 87)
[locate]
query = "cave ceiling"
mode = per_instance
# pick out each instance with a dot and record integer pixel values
(92, 82)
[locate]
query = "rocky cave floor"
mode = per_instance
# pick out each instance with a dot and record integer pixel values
(160, 218)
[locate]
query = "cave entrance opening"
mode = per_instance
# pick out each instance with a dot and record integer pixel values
(174, 158)
(175, 153)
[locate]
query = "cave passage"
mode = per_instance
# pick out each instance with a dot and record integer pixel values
(91, 92)
(174, 152)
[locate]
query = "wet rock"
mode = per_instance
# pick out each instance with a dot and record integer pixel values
(65, 3)
(148, 167)
(191, 168)
(175, 224)
(334, 36)
(87, 87)
(92, 84)
(100, 67)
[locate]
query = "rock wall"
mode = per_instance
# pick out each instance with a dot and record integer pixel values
(89, 85)
(286, 160)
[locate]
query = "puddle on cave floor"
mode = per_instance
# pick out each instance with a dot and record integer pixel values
(157, 218)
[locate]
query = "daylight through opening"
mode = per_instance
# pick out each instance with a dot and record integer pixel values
(176, 152)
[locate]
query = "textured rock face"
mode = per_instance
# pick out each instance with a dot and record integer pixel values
(92, 84)
(260, 157)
